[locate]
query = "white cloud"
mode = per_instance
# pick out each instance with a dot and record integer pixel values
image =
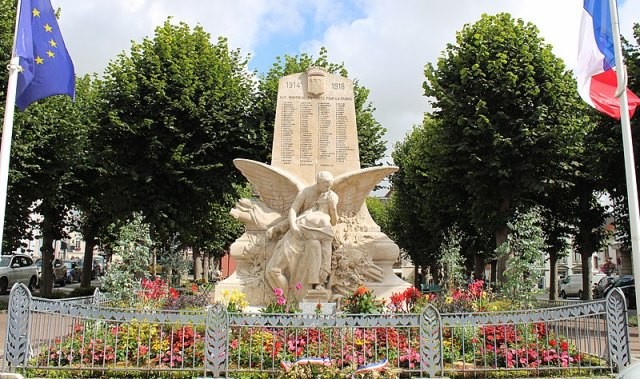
(385, 48)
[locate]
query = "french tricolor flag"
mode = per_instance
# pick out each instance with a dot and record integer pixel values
(597, 81)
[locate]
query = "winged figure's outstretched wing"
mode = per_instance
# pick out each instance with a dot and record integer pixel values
(276, 187)
(354, 187)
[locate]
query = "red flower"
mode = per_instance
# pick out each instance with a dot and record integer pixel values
(173, 293)
(564, 346)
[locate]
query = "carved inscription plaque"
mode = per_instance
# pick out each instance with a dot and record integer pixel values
(315, 131)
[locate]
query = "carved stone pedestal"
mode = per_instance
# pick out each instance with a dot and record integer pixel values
(318, 308)
(316, 296)
(384, 253)
(250, 253)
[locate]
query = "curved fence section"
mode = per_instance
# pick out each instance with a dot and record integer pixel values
(87, 335)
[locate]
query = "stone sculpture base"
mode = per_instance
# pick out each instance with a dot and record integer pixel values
(252, 252)
(316, 296)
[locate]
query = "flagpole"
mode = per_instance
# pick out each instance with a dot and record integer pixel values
(5, 146)
(7, 126)
(627, 142)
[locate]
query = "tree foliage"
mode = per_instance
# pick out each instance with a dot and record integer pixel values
(505, 109)
(177, 111)
(525, 249)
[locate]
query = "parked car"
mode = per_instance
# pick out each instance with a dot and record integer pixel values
(18, 268)
(73, 271)
(99, 263)
(59, 272)
(572, 285)
(602, 286)
(94, 271)
(628, 288)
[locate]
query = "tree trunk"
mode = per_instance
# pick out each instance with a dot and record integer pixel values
(434, 269)
(494, 274)
(197, 264)
(553, 274)
(47, 252)
(205, 267)
(478, 266)
(87, 264)
(501, 265)
(586, 247)
(586, 274)
(501, 237)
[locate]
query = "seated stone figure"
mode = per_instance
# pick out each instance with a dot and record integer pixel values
(332, 233)
(303, 254)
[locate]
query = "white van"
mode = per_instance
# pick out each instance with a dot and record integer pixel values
(572, 285)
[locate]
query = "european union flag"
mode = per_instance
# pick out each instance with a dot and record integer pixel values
(47, 68)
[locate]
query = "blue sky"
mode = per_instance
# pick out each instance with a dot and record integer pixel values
(288, 42)
(384, 44)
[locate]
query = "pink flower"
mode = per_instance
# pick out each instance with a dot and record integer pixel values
(278, 291)
(298, 286)
(281, 300)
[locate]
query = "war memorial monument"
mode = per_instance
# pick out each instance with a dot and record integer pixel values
(310, 232)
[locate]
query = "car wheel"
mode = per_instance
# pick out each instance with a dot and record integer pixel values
(4, 284)
(580, 294)
(32, 283)
(563, 294)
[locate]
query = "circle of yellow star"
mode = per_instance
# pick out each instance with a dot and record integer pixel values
(35, 12)
(39, 60)
(48, 28)
(50, 54)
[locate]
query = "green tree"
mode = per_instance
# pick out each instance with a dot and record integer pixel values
(133, 245)
(451, 259)
(505, 106)
(379, 210)
(424, 205)
(177, 110)
(524, 249)
(92, 195)
(370, 132)
(52, 131)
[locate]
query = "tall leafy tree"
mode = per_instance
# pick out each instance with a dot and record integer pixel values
(52, 130)
(505, 105)
(425, 207)
(45, 150)
(178, 109)
(97, 207)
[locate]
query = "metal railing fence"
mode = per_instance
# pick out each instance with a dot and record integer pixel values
(86, 335)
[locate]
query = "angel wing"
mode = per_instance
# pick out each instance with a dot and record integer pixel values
(276, 188)
(354, 187)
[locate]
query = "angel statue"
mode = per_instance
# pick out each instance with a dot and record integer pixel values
(301, 221)
(312, 217)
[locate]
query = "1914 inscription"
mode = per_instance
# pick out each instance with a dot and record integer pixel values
(315, 131)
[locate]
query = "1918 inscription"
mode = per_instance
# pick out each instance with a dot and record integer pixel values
(315, 130)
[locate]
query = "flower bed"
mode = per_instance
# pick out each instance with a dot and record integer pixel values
(325, 346)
